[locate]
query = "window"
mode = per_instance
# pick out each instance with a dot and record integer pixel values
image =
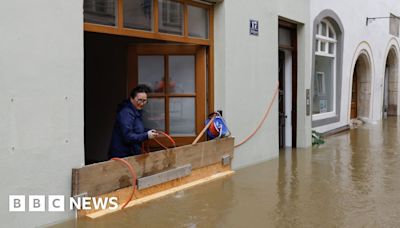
(198, 22)
(177, 88)
(100, 12)
(176, 74)
(324, 94)
(171, 20)
(170, 17)
(138, 14)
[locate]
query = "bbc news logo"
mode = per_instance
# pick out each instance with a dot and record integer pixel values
(54, 203)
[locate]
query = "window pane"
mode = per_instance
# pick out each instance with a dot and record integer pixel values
(151, 72)
(170, 17)
(323, 29)
(182, 74)
(154, 114)
(323, 85)
(331, 34)
(323, 44)
(182, 116)
(138, 14)
(100, 11)
(331, 48)
(198, 22)
(284, 37)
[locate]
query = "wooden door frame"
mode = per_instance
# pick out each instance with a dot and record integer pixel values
(354, 86)
(293, 47)
(200, 80)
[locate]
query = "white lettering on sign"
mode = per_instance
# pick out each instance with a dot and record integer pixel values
(254, 27)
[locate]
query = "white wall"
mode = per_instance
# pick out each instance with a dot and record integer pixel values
(246, 72)
(375, 37)
(41, 102)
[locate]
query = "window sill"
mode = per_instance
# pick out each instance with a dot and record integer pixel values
(324, 115)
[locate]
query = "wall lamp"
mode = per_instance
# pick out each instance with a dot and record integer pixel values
(369, 20)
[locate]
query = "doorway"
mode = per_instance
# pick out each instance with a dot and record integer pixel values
(287, 37)
(390, 91)
(361, 89)
(353, 113)
(110, 74)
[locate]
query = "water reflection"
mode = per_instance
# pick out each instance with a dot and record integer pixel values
(287, 189)
(351, 181)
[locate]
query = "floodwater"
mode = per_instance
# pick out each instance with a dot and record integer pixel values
(353, 180)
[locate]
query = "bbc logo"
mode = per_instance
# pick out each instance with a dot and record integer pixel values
(58, 203)
(36, 203)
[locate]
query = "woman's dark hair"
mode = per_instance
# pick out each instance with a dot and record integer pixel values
(140, 89)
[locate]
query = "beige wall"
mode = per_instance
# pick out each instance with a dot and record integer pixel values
(246, 72)
(41, 102)
(374, 39)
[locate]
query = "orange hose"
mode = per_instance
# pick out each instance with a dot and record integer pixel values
(159, 143)
(263, 119)
(134, 178)
(169, 137)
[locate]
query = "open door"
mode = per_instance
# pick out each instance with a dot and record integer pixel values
(287, 84)
(282, 114)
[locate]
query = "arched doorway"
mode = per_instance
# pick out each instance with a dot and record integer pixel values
(361, 88)
(390, 90)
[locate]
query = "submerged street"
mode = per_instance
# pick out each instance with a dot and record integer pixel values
(353, 180)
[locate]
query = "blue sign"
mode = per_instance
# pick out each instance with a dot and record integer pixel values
(254, 27)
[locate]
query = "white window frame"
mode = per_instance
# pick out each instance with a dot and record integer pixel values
(324, 38)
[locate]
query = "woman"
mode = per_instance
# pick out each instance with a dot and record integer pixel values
(129, 132)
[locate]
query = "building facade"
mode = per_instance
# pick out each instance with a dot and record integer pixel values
(355, 62)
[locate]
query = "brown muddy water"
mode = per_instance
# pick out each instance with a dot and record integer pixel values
(353, 180)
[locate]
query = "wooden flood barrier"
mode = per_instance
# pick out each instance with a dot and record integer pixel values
(158, 173)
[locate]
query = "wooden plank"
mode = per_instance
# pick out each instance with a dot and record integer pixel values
(75, 181)
(105, 177)
(190, 155)
(216, 152)
(155, 16)
(120, 13)
(123, 194)
(211, 63)
(159, 178)
(166, 88)
(162, 49)
(201, 114)
(109, 176)
(185, 20)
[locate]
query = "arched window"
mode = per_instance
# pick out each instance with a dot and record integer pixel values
(325, 39)
(324, 91)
